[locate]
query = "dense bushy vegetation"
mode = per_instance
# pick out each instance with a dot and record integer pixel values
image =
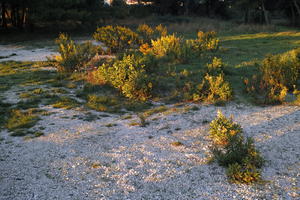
(73, 56)
(231, 150)
(278, 75)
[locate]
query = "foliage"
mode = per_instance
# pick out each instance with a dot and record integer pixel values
(216, 67)
(116, 38)
(221, 128)
(73, 57)
(278, 74)
(145, 32)
(213, 89)
(129, 75)
(206, 41)
(232, 151)
(243, 174)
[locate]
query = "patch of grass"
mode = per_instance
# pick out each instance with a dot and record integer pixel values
(111, 125)
(66, 103)
(176, 143)
(19, 121)
(155, 110)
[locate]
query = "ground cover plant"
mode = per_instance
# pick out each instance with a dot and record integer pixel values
(231, 150)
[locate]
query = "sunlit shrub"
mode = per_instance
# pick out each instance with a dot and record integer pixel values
(145, 32)
(231, 150)
(73, 56)
(216, 67)
(213, 89)
(128, 75)
(116, 38)
(278, 74)
(222, 128)
(206, 41)
(161, 30)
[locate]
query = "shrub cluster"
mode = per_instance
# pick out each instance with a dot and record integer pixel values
(213, 88)
(146, 33)
(231, 150)
(206, 41)
(116, 38)
(278, 75)
(73, 56)
(129, 75)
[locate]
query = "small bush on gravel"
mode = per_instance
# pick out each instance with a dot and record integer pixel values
(221, 128)
(234, 152)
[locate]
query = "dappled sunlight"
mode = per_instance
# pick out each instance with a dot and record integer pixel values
(278, 35)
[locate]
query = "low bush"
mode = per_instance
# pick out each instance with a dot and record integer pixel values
(116, 38)
(234, 152)
(221, 128)
(73, 57)
(278, 74)
(213, 89)
(129, 75)
(206, 41)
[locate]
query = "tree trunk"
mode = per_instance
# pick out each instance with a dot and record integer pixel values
(297, 7)
(265, 13)
(3, 9)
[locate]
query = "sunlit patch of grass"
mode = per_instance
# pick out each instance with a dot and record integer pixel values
(155, 110)
(19, 121)
(66, 103)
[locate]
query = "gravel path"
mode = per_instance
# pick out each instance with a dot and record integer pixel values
(78, 159)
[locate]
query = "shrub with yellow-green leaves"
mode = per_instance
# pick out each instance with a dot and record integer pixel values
(231, 150)
(213, 89)
(129, 75)
(73, 56)
(221, 128)
(116, 38)
(206, 41)
(278, 74)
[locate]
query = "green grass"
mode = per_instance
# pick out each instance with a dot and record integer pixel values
(20, 121)
(66, 103)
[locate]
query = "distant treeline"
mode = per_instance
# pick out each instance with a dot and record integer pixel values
(30, 13)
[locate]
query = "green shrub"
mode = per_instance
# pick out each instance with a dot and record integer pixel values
(145, 32)
(282, 69)
(166, 46)
(232, 151)
(248, 174)
(73, 56)
(216, 67)
(278, 74)
(129, 75)
(221, 128)
(116, 38)
(206, 41)
(213, 89)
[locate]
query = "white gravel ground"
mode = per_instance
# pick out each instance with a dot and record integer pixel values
(77, 159)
